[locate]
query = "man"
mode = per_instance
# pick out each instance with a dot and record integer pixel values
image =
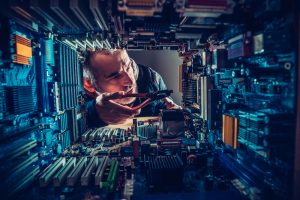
(109, 75)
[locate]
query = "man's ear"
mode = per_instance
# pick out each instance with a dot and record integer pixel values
(88, 86)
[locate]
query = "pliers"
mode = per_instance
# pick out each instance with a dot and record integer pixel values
(150, 97)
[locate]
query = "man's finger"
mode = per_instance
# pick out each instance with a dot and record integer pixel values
(138, 111)
(102, 98)
(122, 108)
(97, 93)
(116, 95)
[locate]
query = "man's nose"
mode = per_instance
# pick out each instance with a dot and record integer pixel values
(127, 80)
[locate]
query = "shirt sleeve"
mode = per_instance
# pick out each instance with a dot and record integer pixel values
(93, 119)
(161, 86)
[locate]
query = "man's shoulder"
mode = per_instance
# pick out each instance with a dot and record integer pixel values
(146, 73)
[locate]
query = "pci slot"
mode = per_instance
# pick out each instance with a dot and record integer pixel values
(100, 170)
(108, 184)
(26, 180)
(29, 161)
(61, 176)
(86, 176)
(21, 150)
(50, 171)
(76, 172)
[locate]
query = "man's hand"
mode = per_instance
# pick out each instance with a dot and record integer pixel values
(171, 104)
(110, 111)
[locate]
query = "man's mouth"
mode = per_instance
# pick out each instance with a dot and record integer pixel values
(130, 91)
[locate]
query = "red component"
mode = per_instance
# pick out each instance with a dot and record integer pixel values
(136, 149)
(240, 46)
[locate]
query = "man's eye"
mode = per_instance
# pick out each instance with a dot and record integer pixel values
(118, 75)
(127, 68)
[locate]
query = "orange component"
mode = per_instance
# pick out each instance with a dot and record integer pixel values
(23, 50)
(140, 2)
(230, 131)
(21, 59)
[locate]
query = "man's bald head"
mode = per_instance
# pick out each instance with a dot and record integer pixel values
(111, 71)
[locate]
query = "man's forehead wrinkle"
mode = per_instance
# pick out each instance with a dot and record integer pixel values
(117, 55)
(105, 65)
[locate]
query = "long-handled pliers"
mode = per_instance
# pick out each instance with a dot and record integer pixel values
(149, 97)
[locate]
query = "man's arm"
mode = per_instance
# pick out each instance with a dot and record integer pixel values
(168, 101)
(103, 110)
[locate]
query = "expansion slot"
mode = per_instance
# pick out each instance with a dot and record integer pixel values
(28, 161)
(109, 183)
(26, 180)
(22, 149)
(100, 170)
(85, 177)
(50, 171)
(76, 172)
(61, 176)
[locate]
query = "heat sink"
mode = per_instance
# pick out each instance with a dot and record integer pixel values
(189, 89)
(21, 99)
(230, 130)
(23, 50)
(2, 100)
(49, 52)
(67, 60)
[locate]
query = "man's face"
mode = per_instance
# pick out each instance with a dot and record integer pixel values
(114, 73)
